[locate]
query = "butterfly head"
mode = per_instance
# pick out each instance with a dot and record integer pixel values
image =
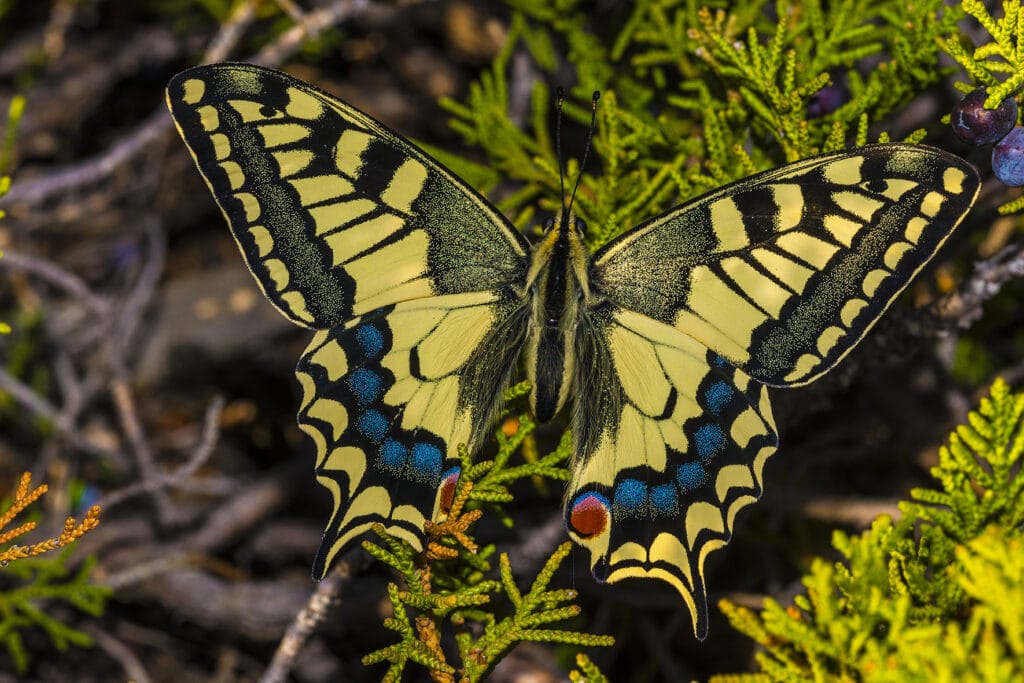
(565, 226)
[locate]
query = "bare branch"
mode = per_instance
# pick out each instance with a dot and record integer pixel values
(97, 168)
(133, 668)
(964, 308)
(57, 276)
(202, 453)
(305, 623)
(27, 398)
(311, 25)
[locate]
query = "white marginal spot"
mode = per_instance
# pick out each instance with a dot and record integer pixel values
(829, 338)
(851, 309)
(236, 176)
(873, 280)
(953, 180)
(250, 205)
(895, 253)
(221, 146)
(915, 228)
(209, 119)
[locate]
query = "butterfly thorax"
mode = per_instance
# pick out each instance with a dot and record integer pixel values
(558, 286)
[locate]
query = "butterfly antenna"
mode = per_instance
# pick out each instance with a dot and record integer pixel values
(559, 97)
(586, 150)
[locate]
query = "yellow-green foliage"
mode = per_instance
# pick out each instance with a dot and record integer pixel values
(450, 594)
(693, 97)
(40, 582)
(936, 596)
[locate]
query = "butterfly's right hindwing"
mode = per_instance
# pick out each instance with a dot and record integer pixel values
(670, 446)
(389, 397)
(335, 214)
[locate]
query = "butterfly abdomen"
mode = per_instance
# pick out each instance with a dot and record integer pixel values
(558, 286)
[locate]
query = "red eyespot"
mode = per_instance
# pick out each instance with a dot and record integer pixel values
(449, 480)
(589, 515)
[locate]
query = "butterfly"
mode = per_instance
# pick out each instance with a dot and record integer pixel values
(424, 299)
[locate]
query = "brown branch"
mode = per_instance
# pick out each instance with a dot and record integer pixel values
(134, 670)
(310, 26)
(963, 308)
(305, 623)
(91, 171)
(58, 277)
(202, 453)
(130, 311)
(97, 168)
(31, 401)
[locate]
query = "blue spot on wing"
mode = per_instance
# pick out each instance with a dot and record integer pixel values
(393, 454)
(690, 475)
(426, 458)
(717, 396)
(710, 440)
(373, 425)
(630, 494)
(370, 339)
(665, 499)
(365, 385)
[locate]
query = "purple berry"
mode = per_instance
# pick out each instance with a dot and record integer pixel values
(976, 125)
(1008, 158)
(826, 101)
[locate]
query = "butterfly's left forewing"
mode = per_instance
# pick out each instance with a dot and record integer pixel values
(335, 214)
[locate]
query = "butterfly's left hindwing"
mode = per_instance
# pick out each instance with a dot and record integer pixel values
(389, 397)
(670, 447)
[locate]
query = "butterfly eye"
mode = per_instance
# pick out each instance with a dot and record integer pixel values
(548, 224)
(581, 228)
